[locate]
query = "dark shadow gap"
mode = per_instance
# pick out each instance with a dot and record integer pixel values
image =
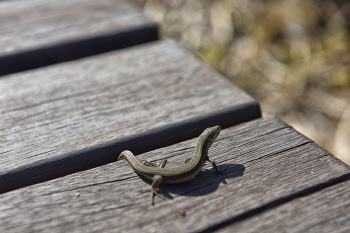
(73, 50)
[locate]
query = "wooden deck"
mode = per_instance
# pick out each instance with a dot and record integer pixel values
(79, 115)
(270, 166)
(38, 33)
(63, 126)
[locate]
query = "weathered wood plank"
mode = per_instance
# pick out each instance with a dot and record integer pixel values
(42, 32)
(78, 115)
(267, 161)
(325, 211)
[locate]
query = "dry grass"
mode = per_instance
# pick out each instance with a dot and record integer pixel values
(293, 56)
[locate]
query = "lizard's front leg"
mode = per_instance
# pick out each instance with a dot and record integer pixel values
(215, 167)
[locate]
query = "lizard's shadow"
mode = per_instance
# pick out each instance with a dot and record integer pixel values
(207, 181)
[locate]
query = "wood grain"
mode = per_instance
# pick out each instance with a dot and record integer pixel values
(267, 162)
(325, 211)
(77, 115)
(42, 32)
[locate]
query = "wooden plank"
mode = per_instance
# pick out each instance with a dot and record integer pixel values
(42, 32)
(325, 211)
(267, 161)
(78, 115)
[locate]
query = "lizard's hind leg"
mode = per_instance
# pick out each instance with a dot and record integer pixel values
(159, 163)
(157, 180)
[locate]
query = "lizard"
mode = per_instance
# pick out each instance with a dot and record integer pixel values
(158, 174)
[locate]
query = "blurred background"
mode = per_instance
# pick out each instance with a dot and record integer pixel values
(292, 56)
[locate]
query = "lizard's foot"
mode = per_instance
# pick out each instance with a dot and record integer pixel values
(159, 194)
(215, 167)
(154, 192)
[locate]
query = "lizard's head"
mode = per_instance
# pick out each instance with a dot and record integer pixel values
(212, 133)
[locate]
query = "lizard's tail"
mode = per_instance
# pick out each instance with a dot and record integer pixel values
(126, 155)
(130, 157)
